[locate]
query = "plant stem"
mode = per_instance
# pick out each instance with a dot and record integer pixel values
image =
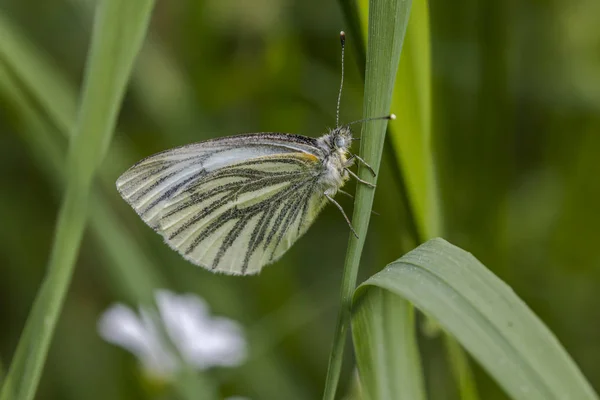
(387, 25)
(119, 28)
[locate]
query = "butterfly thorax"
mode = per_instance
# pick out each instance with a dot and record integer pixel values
(335, 146)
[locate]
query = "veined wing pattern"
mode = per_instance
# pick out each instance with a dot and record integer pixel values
(233, 204)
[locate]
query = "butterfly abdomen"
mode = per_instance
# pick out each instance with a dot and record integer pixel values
(334, 176)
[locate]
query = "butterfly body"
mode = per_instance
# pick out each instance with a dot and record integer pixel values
(237, 203)
(335, 159)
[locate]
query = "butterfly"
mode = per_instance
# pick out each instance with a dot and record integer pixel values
(235, 204)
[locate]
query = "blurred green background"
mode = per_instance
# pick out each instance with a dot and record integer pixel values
(516, 129)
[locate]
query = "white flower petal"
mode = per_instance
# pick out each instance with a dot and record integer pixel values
(185, 317)
(203, 341)
(121, 326)
(222, 344)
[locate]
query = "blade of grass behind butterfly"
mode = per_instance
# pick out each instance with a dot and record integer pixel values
(119, 29)
(57, 97)
(358, 29)
(133, 276)
(387, 25)
(31, 90)
(52, 88)
(129, 269)
(410, 139)
(410, 133)
(33, 83)
(48, 152)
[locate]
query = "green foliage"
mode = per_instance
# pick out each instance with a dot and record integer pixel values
(482, 312)
(514, 129)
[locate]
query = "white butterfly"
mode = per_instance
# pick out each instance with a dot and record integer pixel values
(238, 203)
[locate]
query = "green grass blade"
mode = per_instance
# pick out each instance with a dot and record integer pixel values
(485, 316)
(461, 369)
(387, 353)
(387, 26)
(119, 29)
(357, 28)
(410, 133)
(131, 272)
(47, 110)
(54, 93)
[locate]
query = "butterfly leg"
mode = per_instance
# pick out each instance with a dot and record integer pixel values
(363, 162)
(350, 161)
(342, 211)
(358, 179)
(345, 193)
(349, 195)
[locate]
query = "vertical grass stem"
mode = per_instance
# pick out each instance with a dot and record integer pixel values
(387, 25)
(119, 29)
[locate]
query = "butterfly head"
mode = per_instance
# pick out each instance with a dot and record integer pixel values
(341, 138)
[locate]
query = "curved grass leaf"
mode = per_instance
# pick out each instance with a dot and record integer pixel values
(480, 311)
(119, 29)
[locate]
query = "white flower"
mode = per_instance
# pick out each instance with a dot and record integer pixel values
(201, 340)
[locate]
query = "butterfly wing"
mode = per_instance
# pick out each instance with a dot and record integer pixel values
(230, 205)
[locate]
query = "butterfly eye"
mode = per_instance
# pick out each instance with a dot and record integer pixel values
(340, 142)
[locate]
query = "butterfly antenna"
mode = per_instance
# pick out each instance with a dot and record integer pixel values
(391, 116)
(337, 111)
